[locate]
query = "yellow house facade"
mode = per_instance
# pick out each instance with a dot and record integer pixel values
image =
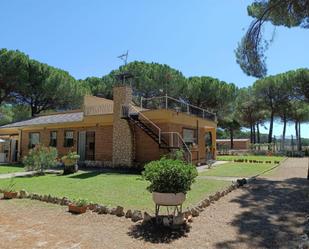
(115, 133)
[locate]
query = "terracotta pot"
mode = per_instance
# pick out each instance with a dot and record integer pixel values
(168, 199)
(9, 195)
(77, 210)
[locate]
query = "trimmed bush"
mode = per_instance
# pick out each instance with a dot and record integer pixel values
(169, 176)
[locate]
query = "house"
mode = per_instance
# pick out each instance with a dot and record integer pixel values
(116, 132)
(238, 144)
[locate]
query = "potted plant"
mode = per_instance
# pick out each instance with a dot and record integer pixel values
(170, 180)
(9, 192)
(70, 163)
(79, 206)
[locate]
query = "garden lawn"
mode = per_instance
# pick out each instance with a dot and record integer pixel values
(11, 168)
(238, 169)
(110, 189)
(258, 158)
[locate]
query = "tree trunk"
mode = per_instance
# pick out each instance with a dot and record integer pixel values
(296, 135)
(258, 133)
(271, 125)
(283, 132)
(299, 137)
(251, 133)
(254, 134)
(232, 138)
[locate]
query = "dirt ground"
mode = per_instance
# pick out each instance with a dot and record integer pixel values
(268, 213)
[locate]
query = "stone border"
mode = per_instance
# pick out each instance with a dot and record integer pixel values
(197, 209)
(134, 215)
(137, 215)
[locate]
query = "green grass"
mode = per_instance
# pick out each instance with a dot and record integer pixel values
(238, 169)
(107, 189)
(11, 168)
(258, 158)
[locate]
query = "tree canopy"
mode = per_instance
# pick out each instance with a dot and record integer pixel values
(25, 81)
(250, 54)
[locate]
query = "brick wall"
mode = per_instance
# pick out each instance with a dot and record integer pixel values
(103, 141)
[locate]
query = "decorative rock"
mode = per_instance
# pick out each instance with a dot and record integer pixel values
(104, 210)
(92, 206)
(119, 211)
(113, 211)
(195, 212)
(190, 218)
(23, 194)
(206, 203)
(44, 198)
(217, 196)
(147, 217)
(50, 199)
(128, 214)
(65, 201)
(187, 214)
(136, 216)
(211, 198)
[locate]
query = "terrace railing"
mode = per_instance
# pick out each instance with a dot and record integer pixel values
(167, 102)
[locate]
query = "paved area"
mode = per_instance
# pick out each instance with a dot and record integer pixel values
(270, 212)
(26, 173)
(206, 167)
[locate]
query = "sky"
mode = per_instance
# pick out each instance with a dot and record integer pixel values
(197, 37)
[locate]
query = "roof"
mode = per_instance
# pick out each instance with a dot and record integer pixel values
(235, 140)
(49, 119)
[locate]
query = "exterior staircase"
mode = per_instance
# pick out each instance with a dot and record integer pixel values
(166, 140)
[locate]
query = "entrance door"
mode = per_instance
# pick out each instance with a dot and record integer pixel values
(14, 150)
(82, 145)
(90, 145)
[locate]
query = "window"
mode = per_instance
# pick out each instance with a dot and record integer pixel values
(68, 138)
(189, 136)
(34, 139)
(53, 139)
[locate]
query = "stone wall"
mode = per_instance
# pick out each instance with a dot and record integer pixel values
(123, 136)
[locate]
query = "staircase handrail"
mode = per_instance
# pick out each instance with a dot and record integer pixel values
(136, 110)
(183, 143)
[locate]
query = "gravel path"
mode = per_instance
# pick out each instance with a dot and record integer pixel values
(268, 213)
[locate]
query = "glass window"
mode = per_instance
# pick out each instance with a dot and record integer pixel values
(189, 136)
(53, 139)
(68, 138)
(34, 139)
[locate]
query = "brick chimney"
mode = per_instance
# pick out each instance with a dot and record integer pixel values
(122, 132)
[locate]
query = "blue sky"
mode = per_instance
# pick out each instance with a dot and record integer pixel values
(197, 37)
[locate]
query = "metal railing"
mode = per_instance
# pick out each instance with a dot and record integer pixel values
(172, 139)
(175, 140)
(167, 102)
(130, 109)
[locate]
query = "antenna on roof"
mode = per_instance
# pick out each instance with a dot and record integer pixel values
(124, 57)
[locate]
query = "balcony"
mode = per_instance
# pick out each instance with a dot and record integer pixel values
(166, 102)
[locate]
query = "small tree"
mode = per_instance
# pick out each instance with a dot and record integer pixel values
(40, 158)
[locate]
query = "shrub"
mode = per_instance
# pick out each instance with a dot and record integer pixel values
(81, 202)
(70, 158)
(40, 158)
(169, 176)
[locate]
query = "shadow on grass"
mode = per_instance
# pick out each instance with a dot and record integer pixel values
(275, 215)
(155, 233)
